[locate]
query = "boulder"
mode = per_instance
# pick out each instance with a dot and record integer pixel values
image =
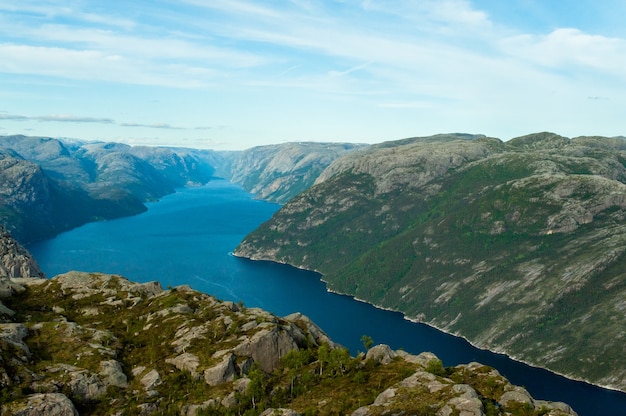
(112, 374)
(151, 380)
(186, 362)
(319, 336)
(382, 354)
(14, 334)
(267, 346)
(49, 404)
(518, 394)
(462, 406)
(222, 372)
(86, 386)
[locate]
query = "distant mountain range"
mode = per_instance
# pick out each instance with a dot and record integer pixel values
(51, 185)
(518, 246)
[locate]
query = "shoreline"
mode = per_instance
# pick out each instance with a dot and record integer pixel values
(417, 321)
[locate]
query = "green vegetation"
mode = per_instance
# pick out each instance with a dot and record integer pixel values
(79, 324)
(481, 238)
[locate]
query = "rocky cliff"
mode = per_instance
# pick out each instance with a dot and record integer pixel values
(15, 260)
(277, 173)
(517, 246)
(96, 344)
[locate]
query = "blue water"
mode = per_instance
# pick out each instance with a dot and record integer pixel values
(186, 238)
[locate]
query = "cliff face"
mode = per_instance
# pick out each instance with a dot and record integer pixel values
(517, 246)
(95, 344)
(278, 173)
(15, 260)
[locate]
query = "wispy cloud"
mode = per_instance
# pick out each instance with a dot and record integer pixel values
(64, 118)
(153, 126)
(270, 68)
(69, 118)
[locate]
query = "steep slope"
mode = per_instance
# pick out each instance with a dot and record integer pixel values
(517, 246)
(15, 260)
(98, 344)
(279, 172)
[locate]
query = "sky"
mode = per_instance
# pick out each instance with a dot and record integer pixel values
(233, 74)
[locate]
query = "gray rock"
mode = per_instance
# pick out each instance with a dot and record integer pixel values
(385, 396)
(15, 260)
(465, 390)
(462, 406)
(146, 409)
(48, 404)
(222, 372)
(85, 385)
(267, 346)
(186, 362)
(151, 380)
(230, 401)
(558, 406)
(14, 335)
(318, 334)
(112, 374)
(279, 412)
(518, 394)
(382, 354)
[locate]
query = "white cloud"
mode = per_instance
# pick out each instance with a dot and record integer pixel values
(563, 48)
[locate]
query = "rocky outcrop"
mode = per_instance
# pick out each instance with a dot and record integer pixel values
(458, 397)
(15, 263)
(49, 404)
(93, 343)
(518, 246)
(15, 260)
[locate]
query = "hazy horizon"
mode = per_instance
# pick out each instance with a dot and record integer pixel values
(230, 75)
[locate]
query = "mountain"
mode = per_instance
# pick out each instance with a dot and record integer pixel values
(277, 173)
(517, 246)
(51, 185)
(98, 344)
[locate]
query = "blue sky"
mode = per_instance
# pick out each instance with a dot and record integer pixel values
(235, 74)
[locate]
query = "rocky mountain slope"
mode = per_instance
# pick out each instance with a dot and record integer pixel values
(277, 173)
(50, 185)
(517, 246)
(95, 344)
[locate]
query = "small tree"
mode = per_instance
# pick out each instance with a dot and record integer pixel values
(367, 342)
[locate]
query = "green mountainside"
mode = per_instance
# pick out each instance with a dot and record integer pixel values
(98, 344)
(518, 246)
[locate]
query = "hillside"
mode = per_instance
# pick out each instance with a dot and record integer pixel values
(52, 185)
(277, 173)
(517, 246)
